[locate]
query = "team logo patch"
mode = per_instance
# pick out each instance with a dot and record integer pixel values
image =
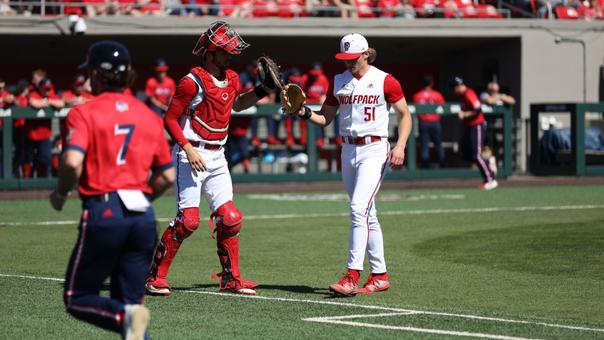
(370, 86)
(225, 96)
(346, 46)
(121, 106)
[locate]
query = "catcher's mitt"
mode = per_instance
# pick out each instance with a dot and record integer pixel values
(292, 98)
(269, 74)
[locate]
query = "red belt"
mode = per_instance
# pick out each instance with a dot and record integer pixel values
(361, 140)
(205, 145)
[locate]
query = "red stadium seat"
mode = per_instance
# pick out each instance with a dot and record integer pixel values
(69, 10)
(487, 11)
(386, 8)
(566, 13)
(365, 8)
(265, 8)
(291, 8)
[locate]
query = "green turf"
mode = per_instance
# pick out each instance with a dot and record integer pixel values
(535, 266)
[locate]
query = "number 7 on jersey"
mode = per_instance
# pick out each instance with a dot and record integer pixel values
(123, 130)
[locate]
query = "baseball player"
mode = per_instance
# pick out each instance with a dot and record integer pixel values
(113, 145)
(475, 127)
(198, 121)
(430, 128)
(160, 88)
(362, 96)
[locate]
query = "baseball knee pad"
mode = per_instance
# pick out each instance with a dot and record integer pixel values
(187, 223)
(228, 220)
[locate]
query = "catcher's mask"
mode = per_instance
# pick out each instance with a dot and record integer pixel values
(222, 36)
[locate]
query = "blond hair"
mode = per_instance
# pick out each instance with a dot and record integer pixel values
(371, 55)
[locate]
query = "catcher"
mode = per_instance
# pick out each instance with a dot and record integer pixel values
(198, 120)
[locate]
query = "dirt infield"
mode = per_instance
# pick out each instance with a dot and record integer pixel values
(248, 188)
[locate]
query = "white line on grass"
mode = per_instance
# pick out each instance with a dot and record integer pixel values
(386, 213)
(353, 305)
(337, 320)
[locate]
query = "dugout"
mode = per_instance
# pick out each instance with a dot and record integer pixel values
(523, 55)
(567, 139)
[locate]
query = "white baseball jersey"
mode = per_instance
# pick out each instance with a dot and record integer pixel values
(363, 110)
(185, 120)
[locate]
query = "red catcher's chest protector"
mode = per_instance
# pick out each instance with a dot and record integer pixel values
(210, 119)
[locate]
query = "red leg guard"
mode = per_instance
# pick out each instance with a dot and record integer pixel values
(185, 223)
(228, 225)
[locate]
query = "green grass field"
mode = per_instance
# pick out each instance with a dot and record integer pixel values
(507, 264)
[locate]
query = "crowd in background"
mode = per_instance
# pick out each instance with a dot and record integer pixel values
(36, 147)
(563, 9)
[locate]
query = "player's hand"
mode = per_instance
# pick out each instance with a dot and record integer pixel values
(57, 200)
(194, 158)
(397, 157)
(461, 115)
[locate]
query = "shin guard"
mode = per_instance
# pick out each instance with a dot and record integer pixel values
(185, 223)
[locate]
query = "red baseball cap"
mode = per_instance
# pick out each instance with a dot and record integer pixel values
(352, 46)
(161, 66)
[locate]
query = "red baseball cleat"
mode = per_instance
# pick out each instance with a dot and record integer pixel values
(348, 285)
(239, 287)
(157, 286)
(489, 185)
(375, 283)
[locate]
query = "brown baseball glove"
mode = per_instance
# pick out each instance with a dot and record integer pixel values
(292, 98)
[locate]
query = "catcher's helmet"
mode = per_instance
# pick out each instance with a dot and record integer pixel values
(222, 36)
(109, 57)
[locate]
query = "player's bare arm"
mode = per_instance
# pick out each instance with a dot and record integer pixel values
(158, 103)
(397, 155)
(160, 181)
(467, 114)
(245, 101)
(70, 170)
(323, 117)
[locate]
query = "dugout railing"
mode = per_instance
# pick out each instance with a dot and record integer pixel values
(558, 138)
(500, 122)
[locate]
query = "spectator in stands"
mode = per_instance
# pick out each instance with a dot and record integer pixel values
(406, 11)
(151, 7)
(346, 8)
(21, 100)
(160, 88)
(95, 7)
(364, 9)
(316, 85)
(430, 129)
(494, 98)
(5, 8)
(38, 145)
(293, 75)
(475, 128)
(77, 95)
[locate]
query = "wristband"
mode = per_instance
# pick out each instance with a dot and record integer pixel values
(260, 92)
(307, 113)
